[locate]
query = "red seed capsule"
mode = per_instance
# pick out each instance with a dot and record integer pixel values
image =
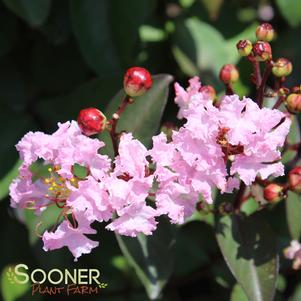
(229, 74)
(262, 51)
(91, 121)
(265, 32)
(282, 67)
(273, 193)
(137, 81)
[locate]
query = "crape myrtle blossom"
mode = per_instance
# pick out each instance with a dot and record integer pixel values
(85, 200)
(217, 147)
(100, 196)
(195, 161)
(128, 187)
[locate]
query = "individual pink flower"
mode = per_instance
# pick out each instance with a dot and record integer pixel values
(128, 188)
(189, 97)
(293, 252)
(71, 236)
(84, 200)
(259, 132)
(65, 147)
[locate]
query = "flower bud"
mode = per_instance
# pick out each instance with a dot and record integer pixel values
(293, 103)
(265, 32)
(229, 74)
(244, 47)
(294, 179)
(91, 121)
(262, 51)
(282, 67)
(209, 91)
(273, 193)
(137, 81)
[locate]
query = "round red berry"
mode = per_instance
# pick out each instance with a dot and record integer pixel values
(91, 121)
(273, 193)
(137, 81)
(229, 74)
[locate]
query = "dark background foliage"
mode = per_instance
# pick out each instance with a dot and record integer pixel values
(57, 57)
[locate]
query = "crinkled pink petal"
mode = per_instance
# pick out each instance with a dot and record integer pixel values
(136, 219)
(72, 238)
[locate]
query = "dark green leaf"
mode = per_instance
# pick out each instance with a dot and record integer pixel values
(152, 257)
(293, 209)
(34, 12)
(142, 118)
(291, 11)
(91, 27)
(249, 248)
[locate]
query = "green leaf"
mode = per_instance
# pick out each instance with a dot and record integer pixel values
(199, 45)
(143, 117)
(291, 11)
(250, 206)
(11, 291)
(107, 31)
(94, 93)
(293, 208)
(7, 179)
(249, 248)
(152, 257)
(238, 294)
(34, 12)
(90, 23)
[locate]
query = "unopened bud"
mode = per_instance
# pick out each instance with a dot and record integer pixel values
(273, 193)
(91, 121)
(137, 81)
(229, 74)
(294, 179)
(244, 47)
(262, 51)
(209, 91)
(293, 103)
(282, 67)
(265, 32)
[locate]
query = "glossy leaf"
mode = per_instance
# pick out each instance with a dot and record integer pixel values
(143, 117)
(152, 257)
(198, 44)
(107, 32)
(90, 23)
(10, 290)
(249, 248)
(291, 11)
(293, 209)
(34, 12)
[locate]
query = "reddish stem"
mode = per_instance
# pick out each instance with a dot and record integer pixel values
(256, 72)
(261, 88)
(229, 89)
(279, 102)
(114, 121)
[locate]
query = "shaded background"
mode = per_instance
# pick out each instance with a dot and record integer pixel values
(57, 57)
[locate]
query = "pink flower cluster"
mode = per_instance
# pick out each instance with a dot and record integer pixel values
(186, 168)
